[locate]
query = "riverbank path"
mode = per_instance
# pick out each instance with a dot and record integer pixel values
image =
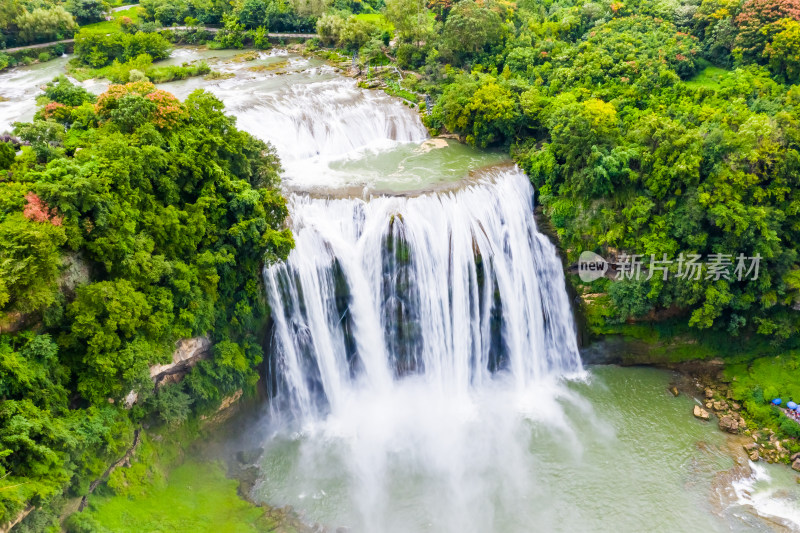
(212, 30)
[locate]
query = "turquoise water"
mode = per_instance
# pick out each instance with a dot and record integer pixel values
(612, 452)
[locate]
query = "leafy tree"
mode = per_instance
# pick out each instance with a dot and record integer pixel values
(41, 25)
(784, 51)
(471, 28)
(7, 155)
(329, 28)
(232, 35)
(87, 11)
(64, 92)
(29, 263)
(31, 370)
(758, 23)
(253, 13)
(100, 49)
(410, 19)
(132, 111)
(356, 33)
(112, 320)
(172, 404)
(481, 108)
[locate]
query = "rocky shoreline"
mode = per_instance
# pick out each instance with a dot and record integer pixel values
(715, 400)
(704, 381)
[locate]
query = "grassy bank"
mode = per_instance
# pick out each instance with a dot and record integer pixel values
(31, 56)
(195, 496)
(138, 69)
(177, 481)
(130, 16)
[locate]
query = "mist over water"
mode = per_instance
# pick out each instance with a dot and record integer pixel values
(424, 368)
(415, 336)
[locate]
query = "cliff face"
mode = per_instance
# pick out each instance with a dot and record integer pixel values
(187, 353)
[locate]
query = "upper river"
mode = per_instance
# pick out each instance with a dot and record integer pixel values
(425, 375)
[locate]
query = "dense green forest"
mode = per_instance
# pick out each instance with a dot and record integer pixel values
(655, 128)
(650, 128)
(127, 221)
(36, 21)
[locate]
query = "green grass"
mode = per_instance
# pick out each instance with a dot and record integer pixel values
(395, 89)
(710, 78)
(377, 19)
(111, 26)
(197, 497)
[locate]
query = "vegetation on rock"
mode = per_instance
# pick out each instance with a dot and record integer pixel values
(172, 211)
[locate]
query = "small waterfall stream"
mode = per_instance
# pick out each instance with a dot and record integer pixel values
(327, 119)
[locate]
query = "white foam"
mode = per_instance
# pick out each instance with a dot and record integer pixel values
(759, 493)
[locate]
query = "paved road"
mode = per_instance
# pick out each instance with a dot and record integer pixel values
(294, 35)
(123, 8)
(212, 30)
(41, 45)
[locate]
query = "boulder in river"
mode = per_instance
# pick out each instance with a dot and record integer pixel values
(729, 424)
(796, 465)
(700, 413)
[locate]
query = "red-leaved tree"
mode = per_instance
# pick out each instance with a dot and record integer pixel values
(38, 211)
(758, 23)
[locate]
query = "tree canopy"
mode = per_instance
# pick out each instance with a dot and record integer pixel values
(126, 224)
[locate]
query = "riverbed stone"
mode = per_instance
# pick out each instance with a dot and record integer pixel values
(674, 391)
(753, 456)
(729, 424)
(709, 393)
(700, 413)
(796, 465)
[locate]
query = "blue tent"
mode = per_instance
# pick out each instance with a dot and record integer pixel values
(791, 405)
(776, 401)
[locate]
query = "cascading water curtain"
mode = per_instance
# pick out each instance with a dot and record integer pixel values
(457, 287)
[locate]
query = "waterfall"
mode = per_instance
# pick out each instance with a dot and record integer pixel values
(328, 119)
(457, 288)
